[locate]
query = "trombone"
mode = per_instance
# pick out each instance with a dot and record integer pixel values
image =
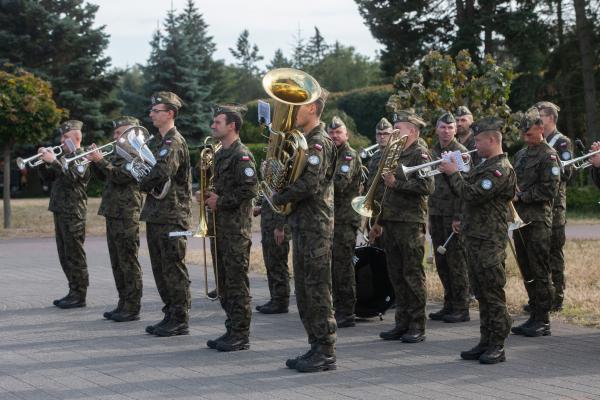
(426, 170)
(369, 152)
(35, 161)
(579, 162)
(110, 148)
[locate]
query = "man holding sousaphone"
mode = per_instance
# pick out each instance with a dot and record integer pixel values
(401, 224)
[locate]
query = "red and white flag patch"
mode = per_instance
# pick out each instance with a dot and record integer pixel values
(552, 157)
(424, 156)
(348, 158)
(497, 173)
(168, 141)
(318, 146)
(245, 158)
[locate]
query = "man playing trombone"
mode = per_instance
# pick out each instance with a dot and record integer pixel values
(235, 186)
(402, 225)
(486, 192)
(68, 203)
(121, 203)
(444, 217)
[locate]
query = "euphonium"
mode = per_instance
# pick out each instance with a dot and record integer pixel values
(365, 205)
(287, 149)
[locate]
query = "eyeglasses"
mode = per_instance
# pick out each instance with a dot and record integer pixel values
(156, 110)
(383, 133)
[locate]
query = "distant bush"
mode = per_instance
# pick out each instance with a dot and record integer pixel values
(583, 200)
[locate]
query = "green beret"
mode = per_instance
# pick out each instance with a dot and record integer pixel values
(230, 108)
(462, 110)
(166, 98)
(71, 125)
(528, 119)
(488, 124)
(447, 118)
(336, 122)
(409, 116)
(383, 125)
(124, 121)
(540, 105)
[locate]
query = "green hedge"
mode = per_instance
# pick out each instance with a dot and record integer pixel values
(583, 200)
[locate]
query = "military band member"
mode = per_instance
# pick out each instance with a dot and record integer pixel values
(595, 160)
(235, 186)
(402, 226)
(346, 183)
(486, 192)
(444, 217)
(68, 204)
(275, 242)
(168, 214)
(564, 148)
(121, 204)
(464, 134)
(311, 221)
(538, 176)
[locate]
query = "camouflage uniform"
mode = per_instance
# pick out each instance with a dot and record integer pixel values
(562, 145)
(68, 203)
(538, 176)
(445, 207)
(403, 220)
(172, 213)
(121, 203)
(236, 185)
(311, 221)
(346, 182)
(275, 256)
(486, 192)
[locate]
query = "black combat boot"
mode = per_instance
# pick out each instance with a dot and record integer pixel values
(413, 336)
(293, 362)
(117, 309)
(272, 307)
(518, 330)
(128, 313)
(457, 316)
(345, 321)
(539, 327)
(493, 355)
(475, 352)
(177, 324)
(557, 304)
(439, 315)
(234, 342)
(151, 328)
(75, 300)
(393, 334)
(317, 362)
(55, 302)
(212, 294)
(212, 343)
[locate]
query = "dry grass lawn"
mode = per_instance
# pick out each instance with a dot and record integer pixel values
(582, 303)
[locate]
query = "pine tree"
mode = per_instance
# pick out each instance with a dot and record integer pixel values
(279, 61)
(248, 83)
(316, 48)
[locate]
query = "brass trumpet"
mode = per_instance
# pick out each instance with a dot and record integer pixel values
(35, 161)
(77, 159)
(426, 170)
(579, 162)
(369, 152)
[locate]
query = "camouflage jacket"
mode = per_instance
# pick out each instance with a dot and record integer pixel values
(235, 183)
(121, 197)
(172, 161)
(443, 202)
(564, 148)
(538, 176)
(407, 200)
(68, 195)
(346, 184)
(270, 217)
(372, 168)
(486, 192)
(311, 194)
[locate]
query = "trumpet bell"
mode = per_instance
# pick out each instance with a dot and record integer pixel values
(21, 163)
(359, 205)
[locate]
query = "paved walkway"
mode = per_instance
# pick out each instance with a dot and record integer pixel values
(47, 353)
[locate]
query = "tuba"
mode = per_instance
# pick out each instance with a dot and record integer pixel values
(287, 149)
(366, 205)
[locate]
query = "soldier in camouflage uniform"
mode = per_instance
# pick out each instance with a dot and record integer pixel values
(563, 147)
(346, 183)
(402, 225)
(235, 186)
(444, 215)
(464, 133)
(275, 247)
(486, 192)
(68, 203)
(168, 214)
(121, 203)
(311, 221)
(538, 177)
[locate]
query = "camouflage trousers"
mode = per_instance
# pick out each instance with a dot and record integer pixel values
(404, 249)
(233, 260)
(123, 238)
(276, 263)
(312, 283)
(452, 266)
(557, 263)
(342, 269)
(532, 244)
(167, 256)
(70, 237)
(486, 265)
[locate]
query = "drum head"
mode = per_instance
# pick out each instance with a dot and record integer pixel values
(374, 291)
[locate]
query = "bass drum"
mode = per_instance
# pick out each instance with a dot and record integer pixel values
(374, 291)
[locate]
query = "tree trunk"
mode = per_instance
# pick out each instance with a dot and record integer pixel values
(589, 86)
(6, 191)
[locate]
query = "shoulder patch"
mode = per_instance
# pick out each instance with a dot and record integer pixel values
(555, 171)
(318, 146)
(348, 157)
(565, 155)
(345, 168)
(486, 184)
(81, 169)
(168, 141)
(314, 160)
(245, 158)
(424, 156)
(497, 173)
(249, 172)
(552, 157)
(563, 144)
(163, 152)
